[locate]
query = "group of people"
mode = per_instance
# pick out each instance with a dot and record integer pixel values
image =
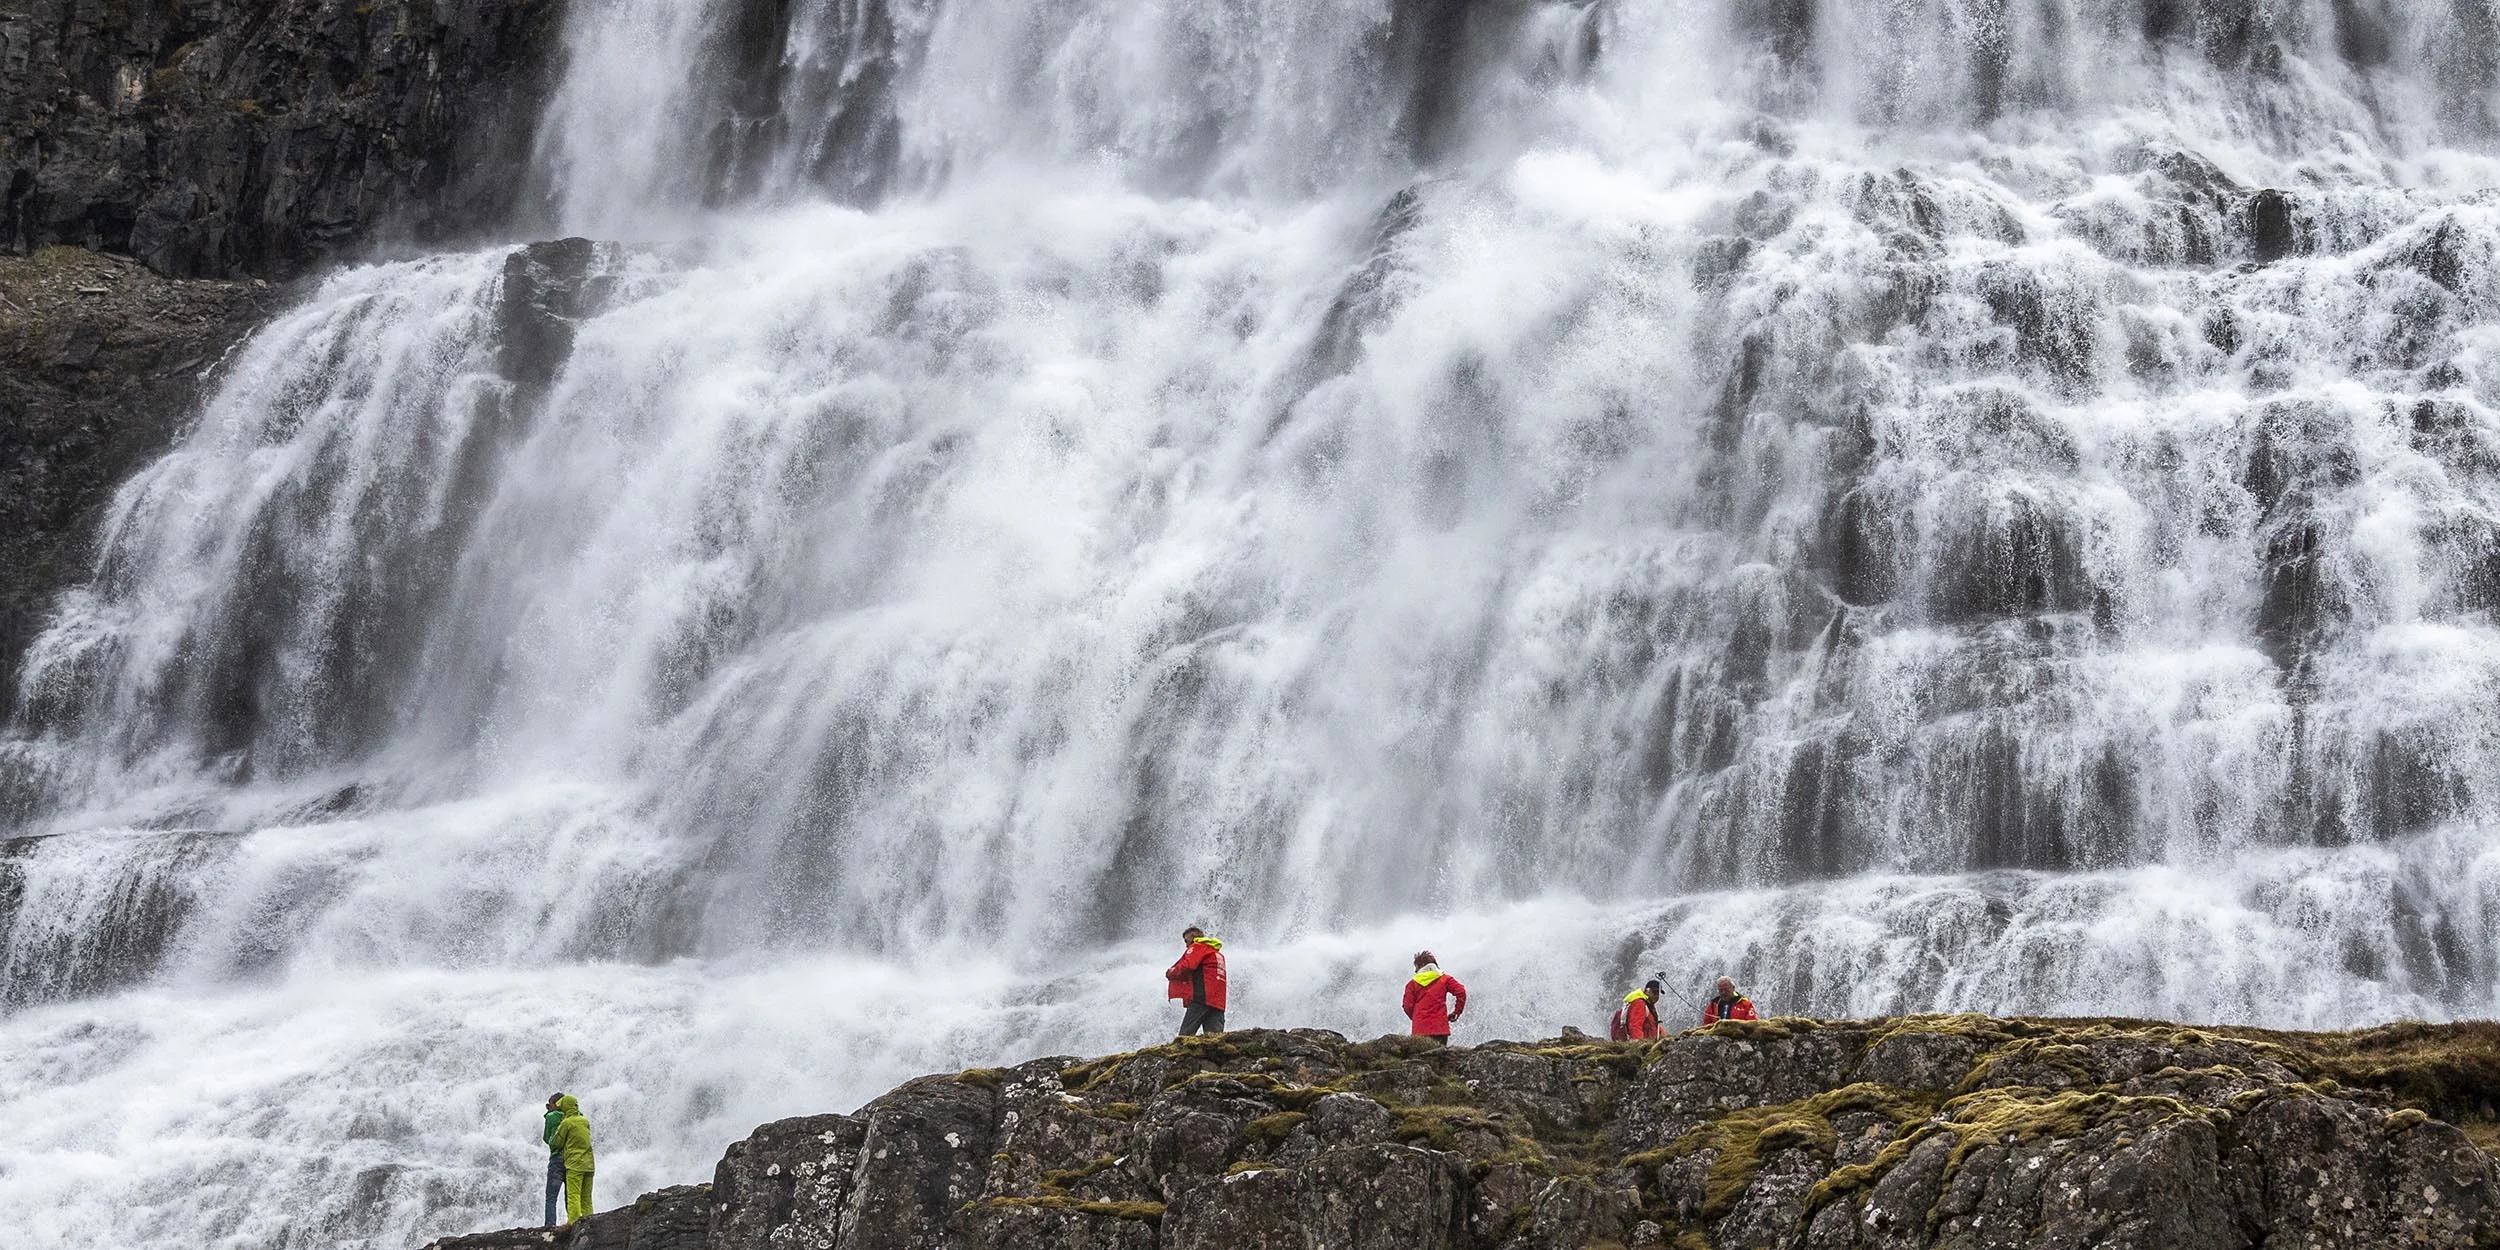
(1637, 1018)
(1434, 999)
(569, 1161)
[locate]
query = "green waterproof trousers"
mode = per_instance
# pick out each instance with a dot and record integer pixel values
(576, 1195)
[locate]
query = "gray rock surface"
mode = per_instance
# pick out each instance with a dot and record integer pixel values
(1909, 1134)
(790, 1176)
(226, 137)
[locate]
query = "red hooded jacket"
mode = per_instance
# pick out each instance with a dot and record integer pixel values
(1741, 1010)
(1635, 1020)
(1429, 1002)
(1199, 976)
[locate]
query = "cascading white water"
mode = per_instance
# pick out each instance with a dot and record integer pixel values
(1961, 504)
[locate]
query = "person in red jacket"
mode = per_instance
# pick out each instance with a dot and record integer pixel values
(1637, 1019)
(1434, 999)
(1198, 981)
(1726, 1004)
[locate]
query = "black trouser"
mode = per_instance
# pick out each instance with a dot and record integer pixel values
(1202, 1018)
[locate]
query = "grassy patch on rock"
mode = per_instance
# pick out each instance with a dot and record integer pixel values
(2449, 1071)
(1149, 1212)
(1268, 1130)
(1745, 1138)
(2004, 1117)
(1056, 1181)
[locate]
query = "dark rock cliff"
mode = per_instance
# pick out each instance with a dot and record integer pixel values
(225, 137)
(101, 361)
(1923, 1132)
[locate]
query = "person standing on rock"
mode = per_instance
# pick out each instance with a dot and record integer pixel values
(1637, 1019)
(572, 1142)
(1726, 1004)
(555, 1158)
(1434, 999)
(1198, 981)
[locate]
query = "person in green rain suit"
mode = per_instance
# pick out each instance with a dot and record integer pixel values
(572, 1140)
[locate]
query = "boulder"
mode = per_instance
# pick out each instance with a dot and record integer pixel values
(786, 1184)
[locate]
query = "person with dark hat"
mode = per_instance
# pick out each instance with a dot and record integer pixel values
(555, 1160)
(1637, 1019)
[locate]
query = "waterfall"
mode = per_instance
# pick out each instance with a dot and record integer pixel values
(1921, 504)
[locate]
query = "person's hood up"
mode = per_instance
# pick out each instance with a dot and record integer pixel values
(569, 1105)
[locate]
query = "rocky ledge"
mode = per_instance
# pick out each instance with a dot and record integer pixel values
(1957, 1131)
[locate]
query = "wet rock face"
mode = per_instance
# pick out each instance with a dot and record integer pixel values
(1784, 1135)
(548, 288)
(218, 137)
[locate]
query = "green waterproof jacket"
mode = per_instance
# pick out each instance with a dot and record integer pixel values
(572, 1139)
(548, 1134)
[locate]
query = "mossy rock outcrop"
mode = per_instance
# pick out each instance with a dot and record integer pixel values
(1933, 1131)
